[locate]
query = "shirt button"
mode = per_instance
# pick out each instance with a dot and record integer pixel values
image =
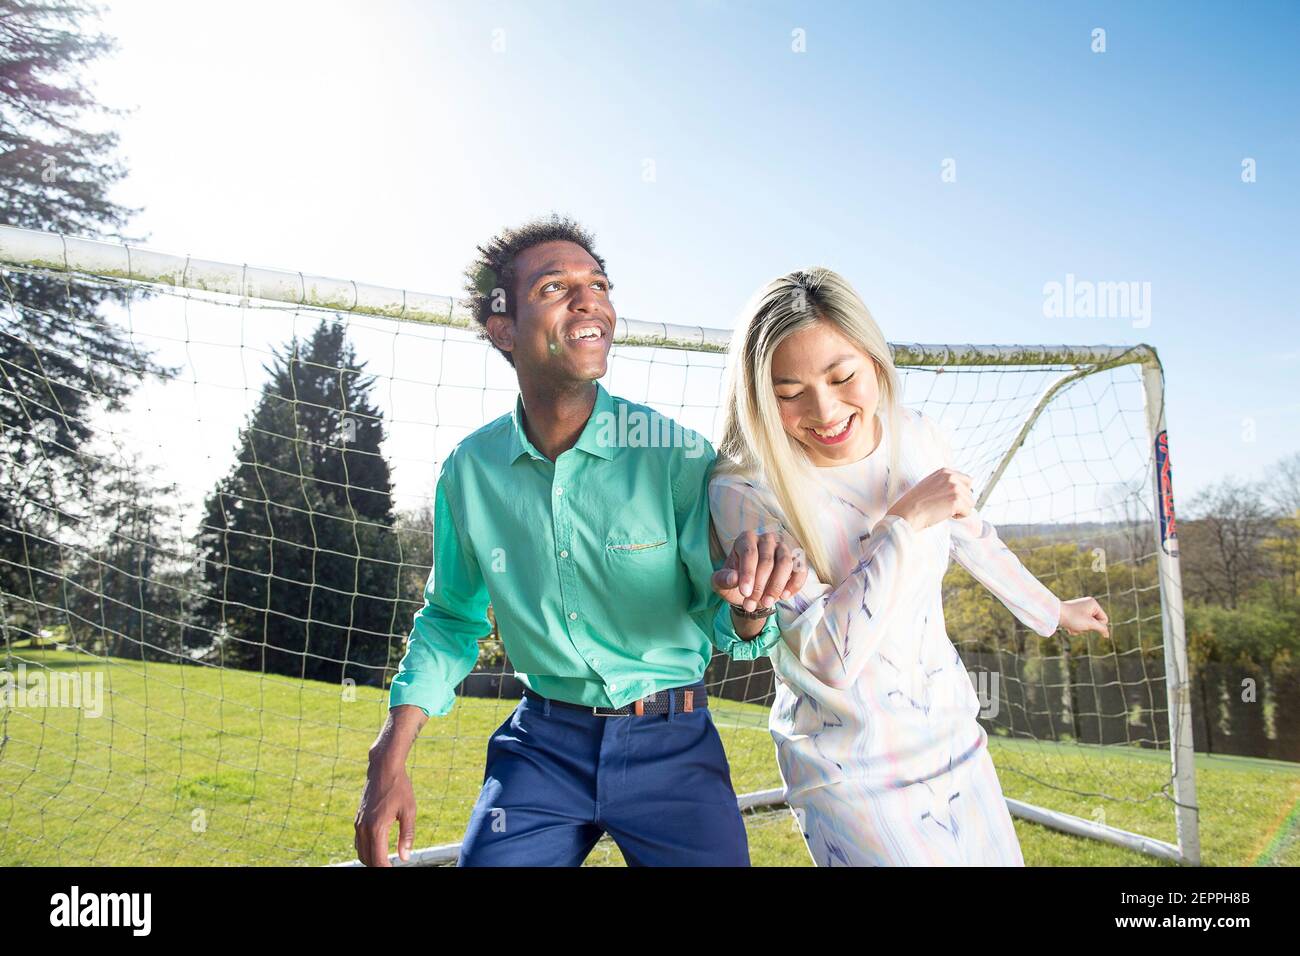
(559, 491)
(564, 554)
(573, 615)
(613, 687)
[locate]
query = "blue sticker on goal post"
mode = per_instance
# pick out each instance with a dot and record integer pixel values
(1165, 483)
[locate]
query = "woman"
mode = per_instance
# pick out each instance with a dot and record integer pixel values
(882, 757)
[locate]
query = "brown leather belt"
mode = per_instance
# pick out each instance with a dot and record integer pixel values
(694, 697)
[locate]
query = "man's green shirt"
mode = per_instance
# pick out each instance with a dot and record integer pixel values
(597, 565)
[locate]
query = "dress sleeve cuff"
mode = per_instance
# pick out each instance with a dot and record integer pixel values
(1053, 621)
(898, 526)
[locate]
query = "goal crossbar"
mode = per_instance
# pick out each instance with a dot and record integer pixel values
(55, 252)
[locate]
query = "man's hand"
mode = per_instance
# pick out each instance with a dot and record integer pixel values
(1084, 614)
(760, 570)
(388, 795)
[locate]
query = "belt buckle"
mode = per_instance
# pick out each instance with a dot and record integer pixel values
(637, 707)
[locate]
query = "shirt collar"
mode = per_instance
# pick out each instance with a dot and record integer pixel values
(594, 437)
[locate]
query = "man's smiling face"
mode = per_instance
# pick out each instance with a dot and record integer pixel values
(564, 318)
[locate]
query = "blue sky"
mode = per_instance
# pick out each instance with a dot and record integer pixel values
(381, 141)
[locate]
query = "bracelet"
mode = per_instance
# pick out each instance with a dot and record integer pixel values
(758, 614)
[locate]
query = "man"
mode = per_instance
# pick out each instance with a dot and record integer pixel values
(589, 536)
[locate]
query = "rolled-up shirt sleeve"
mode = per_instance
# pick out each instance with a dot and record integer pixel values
(442, 647)
(710, 611)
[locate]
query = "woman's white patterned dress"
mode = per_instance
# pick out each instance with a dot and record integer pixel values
(875, 725)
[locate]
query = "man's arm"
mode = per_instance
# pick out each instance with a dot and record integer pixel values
(443, 644)
(441, 649)
(739, 638)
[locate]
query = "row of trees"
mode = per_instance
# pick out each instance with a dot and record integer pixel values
(1239, 545)
(60, 363)
(300, 567)
(1241, 575)
(300, 562)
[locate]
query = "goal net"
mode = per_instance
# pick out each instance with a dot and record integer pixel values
(215, 528)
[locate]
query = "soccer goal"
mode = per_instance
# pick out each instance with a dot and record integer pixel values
(215, 528)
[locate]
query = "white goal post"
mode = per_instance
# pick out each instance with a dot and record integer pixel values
(1068, 446)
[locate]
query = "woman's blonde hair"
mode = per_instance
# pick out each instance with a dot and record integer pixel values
(754, 443)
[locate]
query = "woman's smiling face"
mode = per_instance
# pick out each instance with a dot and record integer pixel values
(827, 392)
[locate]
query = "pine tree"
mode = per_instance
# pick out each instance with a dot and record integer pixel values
(301, 556)
(59, 359)
(257, 546)
(343, 427)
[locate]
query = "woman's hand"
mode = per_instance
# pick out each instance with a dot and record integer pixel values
(937, 497)
(1084, 614)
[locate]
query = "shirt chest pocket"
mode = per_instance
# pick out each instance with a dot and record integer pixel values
(642, 569)
(639, 541)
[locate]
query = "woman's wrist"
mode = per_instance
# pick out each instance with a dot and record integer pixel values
(905, 513)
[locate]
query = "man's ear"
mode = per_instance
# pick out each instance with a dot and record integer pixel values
(501, 329)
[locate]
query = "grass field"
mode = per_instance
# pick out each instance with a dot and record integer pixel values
(199, 766)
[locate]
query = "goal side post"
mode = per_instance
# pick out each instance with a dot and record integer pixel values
(1177, 674)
